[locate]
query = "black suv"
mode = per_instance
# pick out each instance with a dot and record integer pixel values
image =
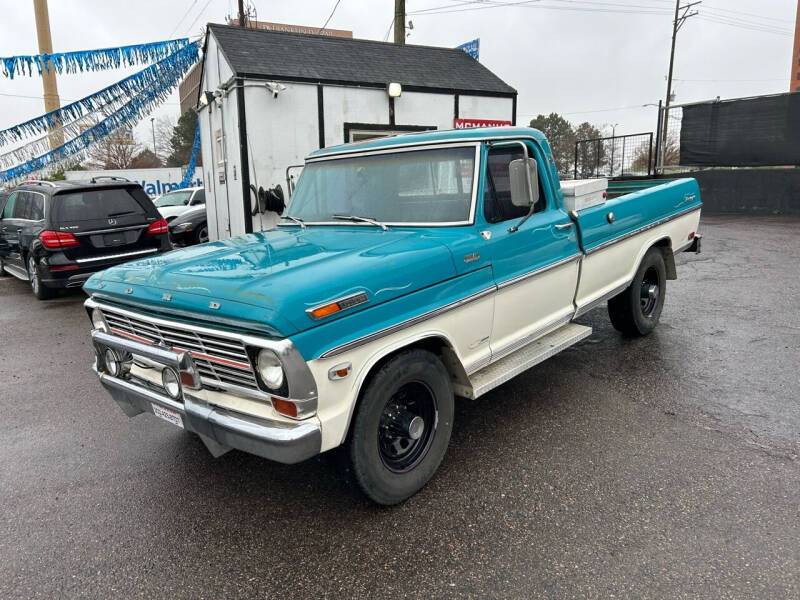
(56, 234)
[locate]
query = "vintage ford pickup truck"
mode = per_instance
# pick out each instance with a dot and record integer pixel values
(406, 272)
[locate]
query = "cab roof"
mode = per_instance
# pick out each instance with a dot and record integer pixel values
(432, 137)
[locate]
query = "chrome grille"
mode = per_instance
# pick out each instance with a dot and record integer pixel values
(219, 360)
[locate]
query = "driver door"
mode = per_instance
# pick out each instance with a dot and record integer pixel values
(536, 266)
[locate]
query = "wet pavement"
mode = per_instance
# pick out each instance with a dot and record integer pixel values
(661, 467)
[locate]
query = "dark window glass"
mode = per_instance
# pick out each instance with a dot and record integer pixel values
(91, 205)
(497, 205)
(22, 206)
(36, 207)
(199, 197)
(8, 211)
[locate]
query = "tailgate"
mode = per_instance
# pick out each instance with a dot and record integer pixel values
(106, 221)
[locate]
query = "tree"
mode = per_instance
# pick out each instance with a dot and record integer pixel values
(561, 136)
(115, 151)
(182, 140)
(146, 159)
(591, 156)
(165, 126)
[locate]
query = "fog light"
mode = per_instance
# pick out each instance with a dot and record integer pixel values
(99, 321)
(111, 362)
(169, 379)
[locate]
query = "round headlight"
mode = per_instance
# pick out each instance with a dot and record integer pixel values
(270, 369)
(99, 321)
(111, 361)
(169, 379)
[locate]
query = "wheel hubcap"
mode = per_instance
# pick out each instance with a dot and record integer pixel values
(650, 292)
(203, 236)
(32, 274)
(407, 427)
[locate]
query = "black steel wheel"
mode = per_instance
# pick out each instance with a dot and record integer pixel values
(636, 310)
(401, 427)
(407, 427)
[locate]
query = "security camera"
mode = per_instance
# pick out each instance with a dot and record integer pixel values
(275, 88)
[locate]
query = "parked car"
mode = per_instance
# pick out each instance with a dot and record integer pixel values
(57, 234)
(408, 271)
(174, 204)
(190, 228)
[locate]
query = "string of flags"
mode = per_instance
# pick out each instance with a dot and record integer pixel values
(87, 121)
(90, 60)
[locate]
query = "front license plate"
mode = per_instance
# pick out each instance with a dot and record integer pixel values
(168, 415)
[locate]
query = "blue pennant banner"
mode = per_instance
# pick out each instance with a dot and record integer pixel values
(91, 60)
(188, 177)
(159, 83)
(147, 78)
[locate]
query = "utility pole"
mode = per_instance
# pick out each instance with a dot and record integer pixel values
(400, 22)
(680, 19)
(49, 85)
(242, 18)
(153, 125)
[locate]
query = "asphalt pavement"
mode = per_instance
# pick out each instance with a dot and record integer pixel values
(664, 467)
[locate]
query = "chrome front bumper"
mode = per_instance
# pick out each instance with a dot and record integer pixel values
(220, 429)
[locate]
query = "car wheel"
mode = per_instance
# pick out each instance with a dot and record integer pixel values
(201, 233)
(402, 427)
(635, 311)
(2, 269)
(41, 291)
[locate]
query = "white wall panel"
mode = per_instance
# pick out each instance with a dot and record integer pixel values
(485, 107)
(281, 131)
(418, 108)
(352, 105)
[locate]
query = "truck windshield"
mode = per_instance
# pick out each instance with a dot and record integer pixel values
(415, 187)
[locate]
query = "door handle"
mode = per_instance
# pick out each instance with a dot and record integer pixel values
(563, 226)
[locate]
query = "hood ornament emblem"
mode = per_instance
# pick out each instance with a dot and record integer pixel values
(213, 305)
(167, 297)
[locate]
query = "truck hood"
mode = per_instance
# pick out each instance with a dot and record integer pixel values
(281, 273)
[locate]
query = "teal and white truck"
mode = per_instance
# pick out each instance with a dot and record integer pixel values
(406, 274)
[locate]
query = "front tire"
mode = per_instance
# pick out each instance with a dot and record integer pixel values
(635, 311)
(41, 291)
(402, 427)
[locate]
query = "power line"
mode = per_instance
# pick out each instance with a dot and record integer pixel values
(330, 16)
(188, 10)
(200, 14)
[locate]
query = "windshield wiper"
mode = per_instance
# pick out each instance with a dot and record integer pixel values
(121, 214)
(357, 219)
(295, 220)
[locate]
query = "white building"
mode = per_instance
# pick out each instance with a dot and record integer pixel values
(267, 99)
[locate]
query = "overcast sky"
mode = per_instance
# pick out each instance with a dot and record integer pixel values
(578, 58)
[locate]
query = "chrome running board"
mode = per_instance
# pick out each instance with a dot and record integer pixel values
(523, 359)
(16, 272)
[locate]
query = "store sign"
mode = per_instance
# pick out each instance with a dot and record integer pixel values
(470, 123)
(473, 48)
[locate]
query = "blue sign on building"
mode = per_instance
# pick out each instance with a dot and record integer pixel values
(473, 48)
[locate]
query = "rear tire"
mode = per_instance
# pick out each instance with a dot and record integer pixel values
(401, 428)
(201, 234)
(2, 269)
(635, 311)
(41, 291)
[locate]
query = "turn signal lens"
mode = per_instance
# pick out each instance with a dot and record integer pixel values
(158, 227)
(284, 407)
(324, 311)
(53, 240)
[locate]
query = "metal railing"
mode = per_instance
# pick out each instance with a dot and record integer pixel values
(613, 157)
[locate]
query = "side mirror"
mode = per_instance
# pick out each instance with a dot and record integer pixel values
(524, 182)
